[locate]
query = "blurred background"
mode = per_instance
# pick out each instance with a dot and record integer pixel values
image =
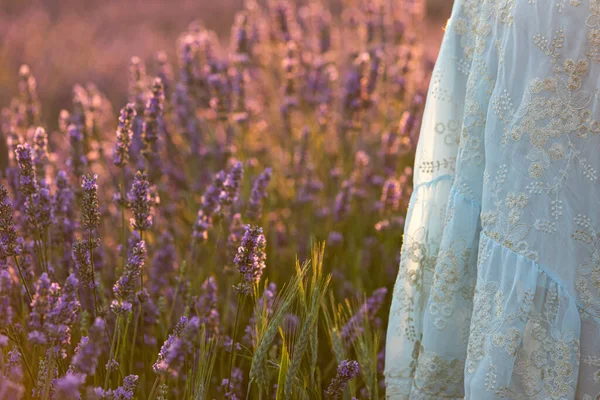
(79, 41)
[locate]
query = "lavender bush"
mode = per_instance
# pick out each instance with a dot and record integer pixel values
(176, 250)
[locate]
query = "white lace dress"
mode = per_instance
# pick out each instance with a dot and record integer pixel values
(497, 295)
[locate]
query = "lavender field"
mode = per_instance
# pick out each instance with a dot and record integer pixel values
(231, 229)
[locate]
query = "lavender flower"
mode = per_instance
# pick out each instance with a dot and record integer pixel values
(40, 151)
(9, 246)
(163, 265)
(45, 295)
(141, 202)
(28, 182)
(83, 266)
(265, 304)
(176, 347)
(211, 205)
(367, 312)
(237, 228)
(68, 386)
(39, 209)
(233, 390)
(63, 315)
(206, 306)
(11, 384)
(231, 186)
(343, 202)
(47, 371)
(153, 115)
(250, 258)
(346, 371)
(124, 392)
(89, 349)
(390, 196)
(124, 135)
(257, 195)
(6, 308)
(63, 229)
(124, 289)
(78, 160)
(90, 216)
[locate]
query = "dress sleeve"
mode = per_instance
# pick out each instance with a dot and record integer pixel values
(432, 300)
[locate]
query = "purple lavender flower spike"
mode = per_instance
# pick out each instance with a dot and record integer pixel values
(90, 216)
(68, 386)
(125, 288)
(124, 135)
(250, 258)
(152, 115)
(231, 186)
(162, 268)
(390, 196)
(27, 181)
(9, 245)
(176, 347)
(89, 349)
(233, 390)
(78, 159)
(206, 306)
(367, 311)
(257, 195)
(141, 202)
(40, 308)
(40, 152)
(83, 266)
(346, 371)
(211, 205)
(6, 308)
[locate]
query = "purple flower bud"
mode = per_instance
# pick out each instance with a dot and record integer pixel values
(342, 202)
(177, 346)
(78, 159)
(6, 308)
(257, 195)
(206, 306)
(124, 289)
(233, 390)
(43, 299)
(142, 200)
(40, 151)
(211, 205)
(8, 237)
(89, 349)
(68, 386)
(162, 268)
(346, 371)
(124, 135)
(237, 228)
(366, 313)
(390, 196)
(231, 186)
(83, 266)
(153, 115)
(27, 181)
(90, 217)
(124, 392)
(250, 258)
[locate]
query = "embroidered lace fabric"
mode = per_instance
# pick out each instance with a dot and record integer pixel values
(498, 290)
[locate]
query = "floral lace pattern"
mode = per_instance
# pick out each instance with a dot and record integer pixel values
(498, 290)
